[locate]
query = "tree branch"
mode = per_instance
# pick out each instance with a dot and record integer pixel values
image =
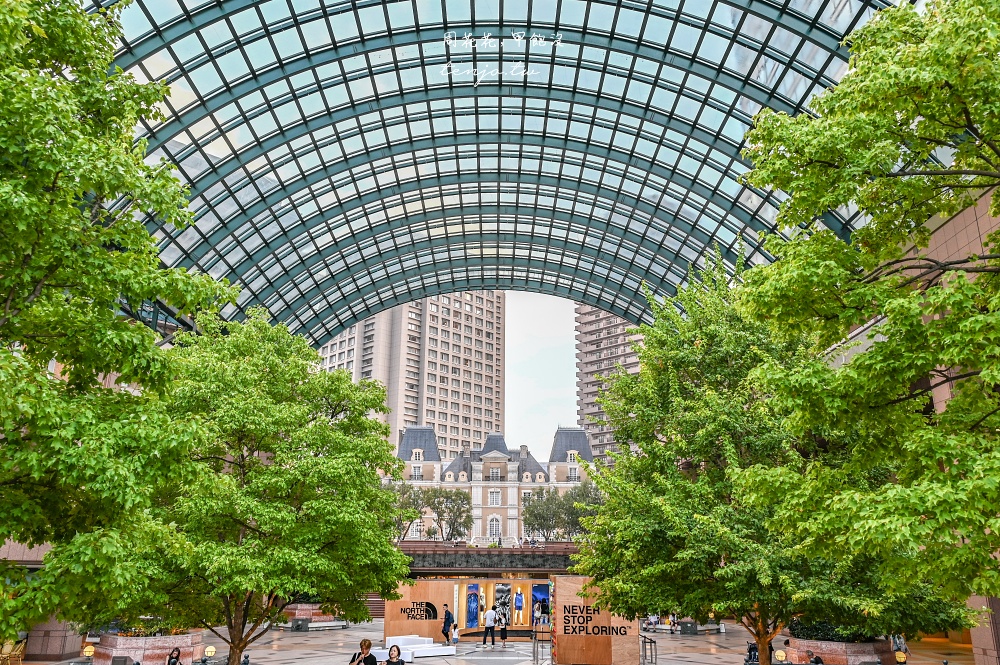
(944, 172)
(924, 391)
(217, 633)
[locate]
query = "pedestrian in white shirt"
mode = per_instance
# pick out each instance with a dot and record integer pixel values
(490, 622)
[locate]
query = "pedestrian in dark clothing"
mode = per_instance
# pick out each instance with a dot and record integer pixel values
(365, 656)
(449, 619)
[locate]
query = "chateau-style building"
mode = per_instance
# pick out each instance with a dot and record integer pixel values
(499, 479)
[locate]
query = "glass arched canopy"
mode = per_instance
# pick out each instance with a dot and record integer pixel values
(346, 157)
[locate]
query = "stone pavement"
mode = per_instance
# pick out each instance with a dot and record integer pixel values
(335, 647)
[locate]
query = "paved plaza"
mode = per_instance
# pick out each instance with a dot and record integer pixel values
(335, 647)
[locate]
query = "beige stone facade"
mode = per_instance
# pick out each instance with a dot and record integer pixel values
(498, 479)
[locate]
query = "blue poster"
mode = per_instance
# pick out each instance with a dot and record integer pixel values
(540, 596)
(472, 606)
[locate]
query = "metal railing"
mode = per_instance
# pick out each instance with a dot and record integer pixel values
(647, 649)
(541, 643)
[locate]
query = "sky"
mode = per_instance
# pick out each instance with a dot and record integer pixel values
(541, 370)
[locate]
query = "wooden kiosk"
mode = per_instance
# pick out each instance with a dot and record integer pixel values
(581, 633)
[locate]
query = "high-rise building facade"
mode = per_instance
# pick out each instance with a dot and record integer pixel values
(441, 359)
(602, 345)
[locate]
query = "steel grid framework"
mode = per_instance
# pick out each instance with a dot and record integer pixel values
(346, 157)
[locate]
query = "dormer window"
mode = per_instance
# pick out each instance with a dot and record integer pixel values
(418, 455)
(527, 477)
(449, 476)
(495, 473)
(539, 477)
(462, 477)
(571, 457)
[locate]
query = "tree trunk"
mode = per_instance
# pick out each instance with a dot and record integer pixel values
(763, 631)
(763, 648)
(237, 640)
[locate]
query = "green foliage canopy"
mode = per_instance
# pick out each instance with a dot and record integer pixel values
(677, 531)
(287, 496)
(911, 131)
(541, 513)
(78, 459)
(451, 511)
(410, 504)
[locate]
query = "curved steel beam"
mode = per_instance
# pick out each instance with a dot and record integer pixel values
(195, 20)
(449, 280)
(287, 69)
(255, 258)
(486, 241)
(287, 192)
(220, 170)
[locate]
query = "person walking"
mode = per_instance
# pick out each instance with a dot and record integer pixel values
(449, 619)
(489, 624)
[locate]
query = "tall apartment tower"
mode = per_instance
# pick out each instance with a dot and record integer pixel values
(441, 360)
(602, 343)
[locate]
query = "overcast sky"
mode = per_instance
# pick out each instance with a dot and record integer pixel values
(541, 370)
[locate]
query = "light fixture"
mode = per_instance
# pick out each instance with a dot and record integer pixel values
(779, 655)
(88, 651)
(209, 651)
(900, 657)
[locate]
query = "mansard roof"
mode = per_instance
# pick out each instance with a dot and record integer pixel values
(419, 437)
(495, 443)
(567, 439)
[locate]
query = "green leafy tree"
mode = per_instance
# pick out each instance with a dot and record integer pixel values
(451, 511)
(78, 456)
(676, 532)
(410, 504)
(576, 504)
(287, 498)
(911, 131)
(542, 513)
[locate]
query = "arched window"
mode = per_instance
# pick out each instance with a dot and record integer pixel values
(540, 477)
(494, 532)
(462, 477)
(449, 476)
(527, 477)
(415, 529)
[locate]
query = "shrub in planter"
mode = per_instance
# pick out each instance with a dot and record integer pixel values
(825, 631)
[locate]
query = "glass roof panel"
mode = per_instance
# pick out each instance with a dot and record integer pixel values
(344, 157)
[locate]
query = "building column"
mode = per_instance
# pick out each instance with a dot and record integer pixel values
(986, 637)
(53, 641)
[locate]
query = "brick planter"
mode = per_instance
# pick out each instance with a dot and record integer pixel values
(149, 650)
(309, 611)
(840, 653)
